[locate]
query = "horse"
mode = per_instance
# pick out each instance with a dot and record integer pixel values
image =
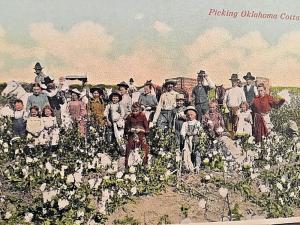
(220, 94)
(15, 89)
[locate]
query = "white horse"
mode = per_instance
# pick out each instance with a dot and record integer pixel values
(15, 89)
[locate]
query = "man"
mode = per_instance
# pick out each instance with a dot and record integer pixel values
(132, 87)
(55, 98)
(249, 89)
(126, 101)
(232, 100)
(40, 76)
(163, 115)
(200, 94)
(38, 98)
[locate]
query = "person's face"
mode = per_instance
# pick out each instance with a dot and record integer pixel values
(180, 102)
(170, 87)
(135, 111)
(36, 90)
(61, 80)
(191, 114)
(47, 112)
(261, 91)
(243, 108)
(234, 83)
(74, 97)
(248, 82)
(147, 89)
(96, 94)
(212, 107)
(19, 106)
(200, 80)
(33, 113)
(122, 90)
(115, 99)
(38, 71)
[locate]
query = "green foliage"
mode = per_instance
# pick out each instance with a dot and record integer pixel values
(127, 221)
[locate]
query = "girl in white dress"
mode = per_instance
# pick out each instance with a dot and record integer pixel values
(244, 125)
(34, 126)
(50, 133)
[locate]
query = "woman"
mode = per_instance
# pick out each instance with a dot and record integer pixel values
(97, 106)
(262, 105)
(78, 112)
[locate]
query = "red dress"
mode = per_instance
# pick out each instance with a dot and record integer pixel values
(139, 139)
(78, 112)
(261, 106)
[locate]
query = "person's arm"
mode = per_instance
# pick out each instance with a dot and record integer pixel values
(158, 109)
(122, 114)
(127, 125)
(243, 96)
(83, 110)
(193, 96)
(275, 102)
(183, 129)
(154, 101)
(255, 90)
(146, 124)
(29, 104)
(208, 82)
(225, 99)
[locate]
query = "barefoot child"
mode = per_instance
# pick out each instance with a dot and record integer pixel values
(190, 133)
(136, 127)
(244, 125)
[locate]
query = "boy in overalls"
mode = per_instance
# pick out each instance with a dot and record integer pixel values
(19, 119)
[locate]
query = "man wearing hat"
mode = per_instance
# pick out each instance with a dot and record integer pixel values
(232, 101)
(249, 89)
(38, 98)
(163, 114)
(126, 101)
(200, 93)
(40, 76)
(132, 88)
(97, 107)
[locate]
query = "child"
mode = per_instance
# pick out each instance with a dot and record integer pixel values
(19, 119)
(114, 114)
(34, 125)
(78, 112)
(213, 120)
(136, 127)
(179, 118)
(190, 132)
(50, 134)
(244, 124)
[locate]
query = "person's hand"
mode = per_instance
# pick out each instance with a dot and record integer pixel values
(151, 124)
(140, 130)
(109, 123)
(247, 120)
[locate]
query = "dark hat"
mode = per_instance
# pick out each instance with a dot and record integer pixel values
(97, 88)
(131, 80)
(114, 93)
(249, 76)
(190, 108)
(234, 77)
(148, 82)
(171, 81)
(201, 73)
(38, 66)
(123, 84)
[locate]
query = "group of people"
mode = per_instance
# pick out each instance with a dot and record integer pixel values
(129, 122)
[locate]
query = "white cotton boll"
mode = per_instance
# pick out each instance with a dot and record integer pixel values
(168, 173)
(133, 190)
(70, 179)
(207, 177)
(49, 167)
(91, 182)
(292, 195)
(223, 192)
(62, 203)
(267, 167)
(80, 213)
(48, 195)
(43, 187)
(285, 95)
(279, 186)
(133, 177)
(202, 204)
(28, 217)
(251, 140)
(98, 183)
(7, 215)
(29, 160)
(283, 179)
(106, 177)
(119, 175)
(146, 179)
(264, 189)
(132, 169)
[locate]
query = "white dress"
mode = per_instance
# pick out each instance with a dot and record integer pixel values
(50, 133)
(35, 127)
(244, 126)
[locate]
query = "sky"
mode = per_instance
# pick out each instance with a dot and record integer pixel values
(111, 41)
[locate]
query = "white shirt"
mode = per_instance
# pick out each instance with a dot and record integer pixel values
(194, 123)
(234, 97)
(167, 101)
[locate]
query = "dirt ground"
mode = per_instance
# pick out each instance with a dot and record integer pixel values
(149, 210)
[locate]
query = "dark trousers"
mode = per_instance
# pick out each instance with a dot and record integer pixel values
(201, 108)
(133, 143)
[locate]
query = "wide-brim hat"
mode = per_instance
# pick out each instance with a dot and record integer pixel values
(190, 108)
(99, 89)
(234, 77)
(201, 73)
(76, 91)
(131, 80)
(38, 66)
(48, 80)
(123, 84)
(249, 76)
(180, 97)
(171, 81)
(114, 93)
